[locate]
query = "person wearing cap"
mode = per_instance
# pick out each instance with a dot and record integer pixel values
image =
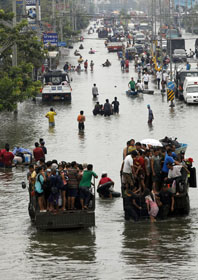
(104, 186)
(150, 114)
(50, 116)
(168, 159)
(85, 186)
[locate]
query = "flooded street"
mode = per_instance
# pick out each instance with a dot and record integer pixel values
(114, 249)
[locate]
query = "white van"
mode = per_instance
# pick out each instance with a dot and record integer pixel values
(190, 91)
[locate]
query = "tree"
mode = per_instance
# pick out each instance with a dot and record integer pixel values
(16, 83)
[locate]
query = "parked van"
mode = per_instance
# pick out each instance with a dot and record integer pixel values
(190, 91)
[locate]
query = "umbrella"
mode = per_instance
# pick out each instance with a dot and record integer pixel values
(152, 142)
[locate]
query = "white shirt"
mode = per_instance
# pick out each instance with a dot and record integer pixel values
(164, 76)
(176, 172)
(159, 74)
(146, 77)
(128, 162)
(95, 91)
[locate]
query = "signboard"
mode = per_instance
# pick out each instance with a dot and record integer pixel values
(62, 44)
(170, 95)
(171, 85)
(31, 11)
(50, 39)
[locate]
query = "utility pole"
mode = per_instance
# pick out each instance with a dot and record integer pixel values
(24, 8)
(160, 7)
(152, 25)
(192, 27)
(14, 48)
(53, 15)
(171, 65)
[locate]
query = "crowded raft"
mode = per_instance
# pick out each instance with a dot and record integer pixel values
(155, 180)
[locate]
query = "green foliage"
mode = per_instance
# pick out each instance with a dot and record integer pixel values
(16, 84)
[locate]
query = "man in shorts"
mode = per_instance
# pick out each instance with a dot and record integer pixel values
(127, 170)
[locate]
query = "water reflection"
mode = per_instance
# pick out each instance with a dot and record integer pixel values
(152, 246)
(75, 245)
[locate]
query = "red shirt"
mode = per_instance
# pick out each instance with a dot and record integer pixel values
(8, 158)
(1, 154)
(139, 161)
(127, 63)
(38, 153)
(104, 180)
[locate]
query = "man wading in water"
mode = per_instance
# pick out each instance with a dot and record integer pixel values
(81, 120)
(50, 115)
(150, 115)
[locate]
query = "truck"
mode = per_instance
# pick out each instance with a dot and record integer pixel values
(173, 44)
(56, 86)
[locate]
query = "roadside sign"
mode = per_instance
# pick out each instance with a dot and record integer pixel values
(170, 95)
(171, 85)
(62, 44)
(50, 38)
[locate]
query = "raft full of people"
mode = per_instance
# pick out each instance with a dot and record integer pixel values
(155, 181)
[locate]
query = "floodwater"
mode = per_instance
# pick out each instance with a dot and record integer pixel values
(114, 249)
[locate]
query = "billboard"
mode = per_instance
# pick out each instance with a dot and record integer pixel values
(31, 12)
(50, 39)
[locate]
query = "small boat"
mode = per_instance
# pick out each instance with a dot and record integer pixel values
(131, 93)
(76, 53)
(80, 60)
(92, 52)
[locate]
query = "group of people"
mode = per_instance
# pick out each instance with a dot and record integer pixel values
(107, 109)
(61, 186)
(150, 178)
(7, 156)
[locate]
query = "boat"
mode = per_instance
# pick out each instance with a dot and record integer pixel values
(80, 60)
(69, 219)
(56, 86)
(114, 46)
(92, 52)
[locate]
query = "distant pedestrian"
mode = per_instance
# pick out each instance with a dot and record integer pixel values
(122, 63)
(81, 120)
(107, 108)
(116, 105)
(94, 91)
(150, 115)
(158, 75)
(146, 80)
(50, 115)
(131, 84)
(188, 66)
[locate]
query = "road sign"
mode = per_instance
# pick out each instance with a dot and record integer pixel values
(50, 38)
(170, 95)
(62, 44)
(171, 85)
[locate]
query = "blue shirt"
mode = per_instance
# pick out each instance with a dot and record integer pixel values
(168, 159)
